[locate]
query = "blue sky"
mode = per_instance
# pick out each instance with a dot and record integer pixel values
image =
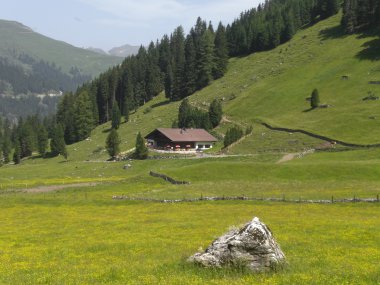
(110, 23)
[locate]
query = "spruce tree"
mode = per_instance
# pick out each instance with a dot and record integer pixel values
(184, 114)
(141, 151)
(42, 140)
(169, 82)
(83, 116)
(190, 67)
(215, 112)
(16, 153)
(6, 149)
(66, 116)
(205, 59)
(178, 64)
(116, 116)
(25, 137)
(221, 52)
(113, 143)
(57, 142)
(314, 102)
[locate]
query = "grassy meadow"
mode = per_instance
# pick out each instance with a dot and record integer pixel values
(80, 235)
(83, 236)
(55, 240)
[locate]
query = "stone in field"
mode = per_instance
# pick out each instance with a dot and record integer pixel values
(253, 246)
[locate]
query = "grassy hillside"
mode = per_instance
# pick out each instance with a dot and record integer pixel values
(272, 86)
(18, 38)
(82, 235)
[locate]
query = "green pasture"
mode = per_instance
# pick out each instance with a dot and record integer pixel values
(50, 239)
(83, 236)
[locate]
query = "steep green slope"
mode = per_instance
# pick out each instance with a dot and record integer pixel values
(17, 38)
(273, 86)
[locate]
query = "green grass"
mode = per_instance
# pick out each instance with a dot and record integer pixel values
(272, 86)
(54, 241)
(82, 236)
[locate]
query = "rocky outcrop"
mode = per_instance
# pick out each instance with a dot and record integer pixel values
(253, 246)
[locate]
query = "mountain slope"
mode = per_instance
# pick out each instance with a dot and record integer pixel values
(17, 38)
(272, 87)
(124, 51)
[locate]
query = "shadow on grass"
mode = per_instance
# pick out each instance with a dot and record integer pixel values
(332, 33)
(107, 130)
(159, 104)
(371, 50)
(308, 110)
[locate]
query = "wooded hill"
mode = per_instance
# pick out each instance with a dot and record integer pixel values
(270, 86)
(181, 64)
(31, 62)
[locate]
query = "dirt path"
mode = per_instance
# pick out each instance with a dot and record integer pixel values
(287, 157)
(43, 189)
(291, 156)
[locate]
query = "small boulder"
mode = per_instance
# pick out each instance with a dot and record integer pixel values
(252, 246)
(127, 166)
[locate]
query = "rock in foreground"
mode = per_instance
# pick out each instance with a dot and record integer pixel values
(253, 246)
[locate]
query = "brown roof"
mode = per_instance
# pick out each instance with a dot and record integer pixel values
(186, 135)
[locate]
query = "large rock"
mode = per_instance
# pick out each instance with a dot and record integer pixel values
(252, 246)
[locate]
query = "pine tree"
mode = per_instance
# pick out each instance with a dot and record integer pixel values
(116, 116)
(184, 114)
(7, 143)
(113, 143)
(6, 149)
(190, 67)
(169, 82)
(289, 29)
(25, 137)
(83, 116)
(221, 52)
(141, 151)
(66, 116)
(205, 59)
(57, 142)
(16, 153)
(215, 112)
(314, 102)
(42, 140)
(178, 64)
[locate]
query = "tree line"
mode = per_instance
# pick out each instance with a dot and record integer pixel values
(181, 64)
(31, 134)
(178, 64)
(274, 22)
(360, 14)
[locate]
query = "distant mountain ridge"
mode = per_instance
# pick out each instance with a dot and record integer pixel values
(122, 51)
(31, 64)
(22, 48)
